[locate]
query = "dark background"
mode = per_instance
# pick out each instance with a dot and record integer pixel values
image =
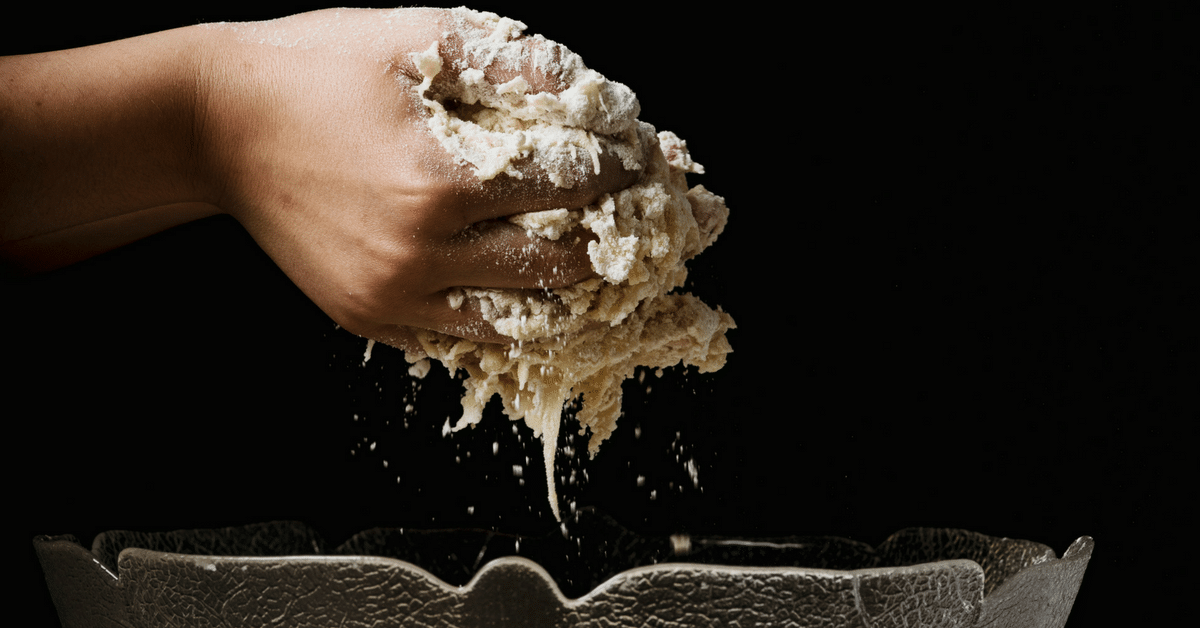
(961, 259)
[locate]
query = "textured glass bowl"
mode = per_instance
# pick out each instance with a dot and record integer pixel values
(282, 574)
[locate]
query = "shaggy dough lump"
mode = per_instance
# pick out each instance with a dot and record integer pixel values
(582, 341)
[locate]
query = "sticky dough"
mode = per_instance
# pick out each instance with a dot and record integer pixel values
(582, 341)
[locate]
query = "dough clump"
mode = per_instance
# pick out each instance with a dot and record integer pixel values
(579, 342)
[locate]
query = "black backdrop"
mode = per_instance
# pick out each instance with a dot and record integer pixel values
(960, 259)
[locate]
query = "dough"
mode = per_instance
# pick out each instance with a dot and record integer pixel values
(582, 341)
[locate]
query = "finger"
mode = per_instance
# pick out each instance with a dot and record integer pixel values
(499, 254)
(435, 314)
(465, 321)
(465, 199)
(468, 322)
(505, 195)
(498, 48)
(565, 173)
(496, 254)
(498, 64)
(396, 336)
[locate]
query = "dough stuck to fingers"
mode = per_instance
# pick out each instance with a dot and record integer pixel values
(581, 340)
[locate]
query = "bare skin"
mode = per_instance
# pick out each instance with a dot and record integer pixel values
(305, 129)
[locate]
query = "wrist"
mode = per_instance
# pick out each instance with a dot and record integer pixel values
(221, 126)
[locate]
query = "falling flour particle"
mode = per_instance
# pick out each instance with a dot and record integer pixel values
(693, 472)
(579, 342)
(681, 544)
(419, 369)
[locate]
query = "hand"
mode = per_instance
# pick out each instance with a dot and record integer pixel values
(319, 142)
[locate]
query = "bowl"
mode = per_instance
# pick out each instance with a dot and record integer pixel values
(601, 574)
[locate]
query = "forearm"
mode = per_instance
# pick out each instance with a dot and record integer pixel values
(98, 147)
